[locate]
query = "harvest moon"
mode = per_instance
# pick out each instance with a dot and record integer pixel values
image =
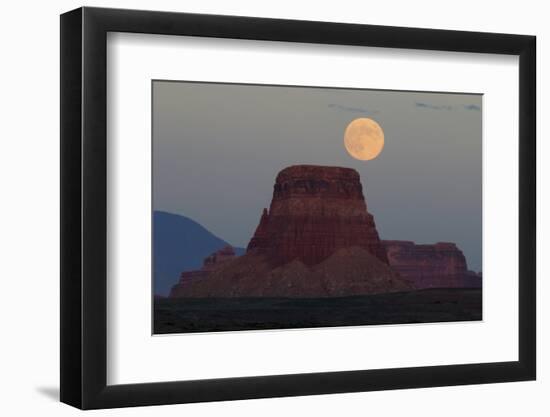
(364, 139)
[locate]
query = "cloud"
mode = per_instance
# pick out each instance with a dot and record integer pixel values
(432, 106)
(428, 106)
(352, 109)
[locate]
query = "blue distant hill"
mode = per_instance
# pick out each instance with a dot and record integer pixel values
(179, 244)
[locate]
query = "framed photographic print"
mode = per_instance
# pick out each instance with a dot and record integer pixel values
(257, 207)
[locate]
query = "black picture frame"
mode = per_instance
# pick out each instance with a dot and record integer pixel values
(84, 207)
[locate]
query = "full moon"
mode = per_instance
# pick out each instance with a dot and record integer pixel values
(364, 139)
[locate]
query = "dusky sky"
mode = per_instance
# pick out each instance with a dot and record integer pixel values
(218, 147)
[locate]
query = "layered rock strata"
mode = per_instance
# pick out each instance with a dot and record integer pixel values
(315, 211)
(441, 265)
(210, 263)
(316, 240)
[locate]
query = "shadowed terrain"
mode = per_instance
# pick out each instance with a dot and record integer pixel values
(187, 315)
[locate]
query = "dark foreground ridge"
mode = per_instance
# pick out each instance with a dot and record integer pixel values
(191, 315)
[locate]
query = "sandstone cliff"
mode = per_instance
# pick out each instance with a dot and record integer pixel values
(210, 263)
(314, 212)
(316, 240)
(440, 265)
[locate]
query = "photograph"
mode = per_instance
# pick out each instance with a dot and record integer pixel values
(291, 207)
(318, 209)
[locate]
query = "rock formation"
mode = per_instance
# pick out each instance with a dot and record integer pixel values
(316, 240)
(210, 263)
(429, 266)
(349, 271)
(314, 212)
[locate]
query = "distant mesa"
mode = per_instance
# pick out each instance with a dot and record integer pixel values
(210, 263)
(219, 257)
(441, 265)
(316, 240)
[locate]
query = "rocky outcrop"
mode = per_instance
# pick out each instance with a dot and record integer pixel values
(441, 265)
(218, 258)
(316, 240)
(315, 211)
(210, 263)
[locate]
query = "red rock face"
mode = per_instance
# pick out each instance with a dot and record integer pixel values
(316, 240)
(210, 263)
(429, 266)
(218, 258)
(315, 211)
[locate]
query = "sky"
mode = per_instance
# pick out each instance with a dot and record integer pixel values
(217, 149)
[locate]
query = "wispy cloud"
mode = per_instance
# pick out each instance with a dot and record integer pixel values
(429, 106)
(473, 107)
(352, 109)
